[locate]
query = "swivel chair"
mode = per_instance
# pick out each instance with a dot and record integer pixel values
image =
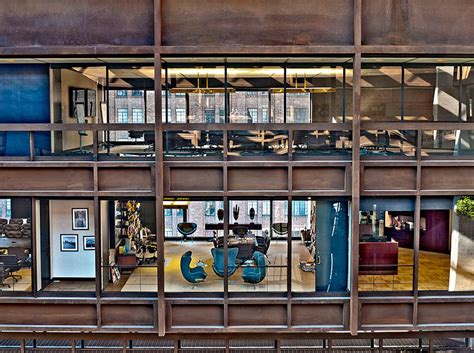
(191, 274)
(255, 274)
(218, 265)
(186, 229)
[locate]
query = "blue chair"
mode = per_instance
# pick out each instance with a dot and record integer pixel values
(218, 266)
(255, 274)
(191, 274)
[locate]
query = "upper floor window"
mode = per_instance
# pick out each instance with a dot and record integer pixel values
(181, 115)
(122, 115)
(300, 208)
(137, 93)
(210, 208)
(121, 93)
(209, 116)
(252, 115)
(137, 115)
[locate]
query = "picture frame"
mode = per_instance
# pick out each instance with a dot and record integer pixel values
(88, 242)
(69, 242)
(80, 219)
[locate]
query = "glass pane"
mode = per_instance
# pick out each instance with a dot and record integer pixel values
(386, 230)
(447, 143)
(195, 95)
(15, 244)
(321, 143)
(194, 258)
(256, 94)
(315, 95)
(388, 143)
(446, 244)
(131, 95)
(243, 143)
(381, 93)
(79, 95)
(432, 93)
(320, 245)
(193, 143)
(129, 263)
(66, 242)
(125, 144)
(258, 243)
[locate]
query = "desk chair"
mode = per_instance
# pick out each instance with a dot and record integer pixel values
(11, 265)
(186, 229)
(3, 276)
(255, 274)
(218, 265)
(191, 274)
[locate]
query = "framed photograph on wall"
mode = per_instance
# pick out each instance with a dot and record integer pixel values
(69, 242)
(80, 219)
(88, 242)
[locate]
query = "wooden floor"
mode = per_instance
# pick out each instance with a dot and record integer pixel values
(20, 285)
(434, 272)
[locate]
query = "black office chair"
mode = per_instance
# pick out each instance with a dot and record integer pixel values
(11, 265)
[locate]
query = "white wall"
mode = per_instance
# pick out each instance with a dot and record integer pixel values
(80, 264)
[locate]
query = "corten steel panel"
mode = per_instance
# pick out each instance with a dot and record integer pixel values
(444, 313)
(257, 22)
(447, 178)
(386, 314)
(85, 22)
(117, 179)
(319, 178)
(48, 314)
(127, 315)
(25, 179)
(194, 179)
(257, 315)
(389, 178)
(241, 179)
(317, 315)
(408, 22)
(197, 315)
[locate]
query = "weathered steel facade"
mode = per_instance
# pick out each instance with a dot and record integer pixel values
(172, 28)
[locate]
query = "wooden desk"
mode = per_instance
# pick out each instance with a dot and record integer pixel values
(378, 258)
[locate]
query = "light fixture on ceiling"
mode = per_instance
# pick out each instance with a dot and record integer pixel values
(303, 89)
(199, 89)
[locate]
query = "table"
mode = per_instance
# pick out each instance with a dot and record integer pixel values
(220, 226)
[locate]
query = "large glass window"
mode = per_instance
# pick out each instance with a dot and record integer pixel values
(386, 233)
(198, 91)
(258, 246)
(15, 244)
(315, 94)
(256, 87)
(446, 244)
(320, 245)
(66, 244)
(194, 257)
(381, 93)
(129, 247)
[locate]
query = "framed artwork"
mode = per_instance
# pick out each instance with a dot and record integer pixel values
(69, 242)
(88, 242)
(84, 96)
(80, 219)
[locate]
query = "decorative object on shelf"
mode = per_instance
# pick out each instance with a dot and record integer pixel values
(252, 214)
(465, 206)
(88, 242)
(220, 214)
(235, 212)
(69, 242)
(80, 219)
